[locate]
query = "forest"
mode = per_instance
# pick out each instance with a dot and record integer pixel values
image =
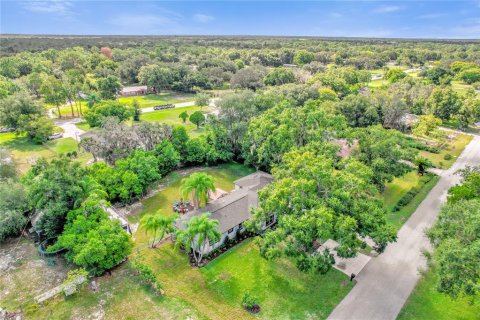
(339, 123)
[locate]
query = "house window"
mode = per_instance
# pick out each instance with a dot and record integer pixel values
(230, 230)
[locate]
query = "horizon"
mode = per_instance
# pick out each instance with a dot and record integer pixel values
(449, 20)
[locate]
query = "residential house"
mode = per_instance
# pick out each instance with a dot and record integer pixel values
(233, 209)
(133, 91)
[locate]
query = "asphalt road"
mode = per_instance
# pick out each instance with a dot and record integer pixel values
(387, 281)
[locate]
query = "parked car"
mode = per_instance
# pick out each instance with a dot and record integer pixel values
(164, 106)
(55, 136)
(3, 130)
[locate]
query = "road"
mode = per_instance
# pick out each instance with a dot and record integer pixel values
(386, 281)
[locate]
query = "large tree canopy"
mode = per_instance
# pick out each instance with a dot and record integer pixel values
(314, 201)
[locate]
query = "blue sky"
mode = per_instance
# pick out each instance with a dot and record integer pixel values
(404, 19)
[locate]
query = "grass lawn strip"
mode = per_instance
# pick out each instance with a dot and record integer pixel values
(396, 189)
(151, 100)
(426, 302)
(454, 148)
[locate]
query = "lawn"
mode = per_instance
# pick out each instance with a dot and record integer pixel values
(66, 111)
(119, 296)
(426, 303)
(223, 174)
(151, 100)
(396, 189)
(453, 148)
(217, 289)
(282, 290)
(170, 116)
(26, 152)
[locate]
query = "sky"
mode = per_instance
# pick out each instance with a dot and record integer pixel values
(378, 19)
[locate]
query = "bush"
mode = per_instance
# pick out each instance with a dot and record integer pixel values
(408, 197)
(148, 276)
(250, 302)
(447, 157)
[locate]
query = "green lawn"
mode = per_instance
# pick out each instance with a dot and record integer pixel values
(170, 116)
(84, 126)
(426, 302)
(223, 174)
(26, 152)
(454, 148)
(119, 296)
(151, 100)
(67, 110)
(283, 291)
(397, 189)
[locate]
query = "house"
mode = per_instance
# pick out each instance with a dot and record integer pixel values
(346, 147)
(133, 91)
(112, 214)
(233, 209)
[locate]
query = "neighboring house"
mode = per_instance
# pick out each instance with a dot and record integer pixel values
(346, 147)
(233, 209)
(112, 214)
(133, 91)
(409, 120)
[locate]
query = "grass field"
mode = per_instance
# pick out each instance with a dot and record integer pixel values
(119, 296)
(453, 148)
(25, 152)
(283, 291)
(223, 174)
(217, 289)
(170, 116)
(66, 111)
(426, 303)
(213, 292)
(396, 189)
(151, 100)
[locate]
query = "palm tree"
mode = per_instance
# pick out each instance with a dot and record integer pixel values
(157, 223)
(148, 224)
(164, 224)
(199, 231)
(198, 184)
(423, 164)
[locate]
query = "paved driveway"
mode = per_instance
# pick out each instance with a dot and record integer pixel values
(386, 282)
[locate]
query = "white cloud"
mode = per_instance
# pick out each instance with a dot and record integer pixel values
(53, 6)
(203, 18)
(387, 9)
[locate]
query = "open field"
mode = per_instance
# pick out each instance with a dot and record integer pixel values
(151, 100)
(26, 152)
(283, 291)
(453, 148)
(170, 116)
(426, 302)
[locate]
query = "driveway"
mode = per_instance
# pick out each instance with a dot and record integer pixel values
(387, 281)
(70, 130)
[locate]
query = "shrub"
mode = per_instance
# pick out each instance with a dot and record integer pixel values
(447, 157)
(408, 197)
(148, 276)
(250, 302)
